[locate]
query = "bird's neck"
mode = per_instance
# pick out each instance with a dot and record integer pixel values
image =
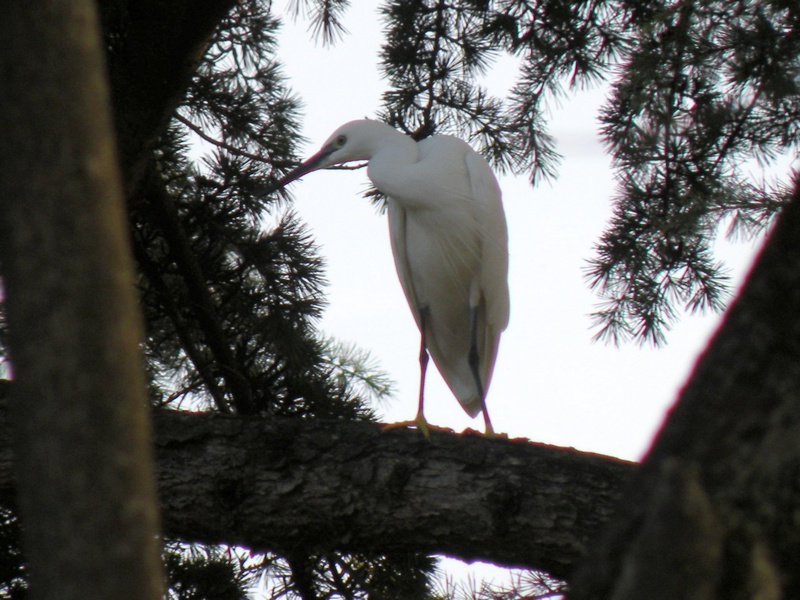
(388, 165)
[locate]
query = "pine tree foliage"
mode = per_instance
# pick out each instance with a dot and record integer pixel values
(703, 88)
(525, 585)
(325, 17)
(356, 577)
(232, 284)
(233, 302)
(354, 367)
(434, 52)
(201, 572)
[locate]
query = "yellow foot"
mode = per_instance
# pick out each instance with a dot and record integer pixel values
(490, 433)
(420, 423)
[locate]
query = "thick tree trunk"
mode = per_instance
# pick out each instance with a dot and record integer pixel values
(311, 486)
(713, 512)
(83, 444)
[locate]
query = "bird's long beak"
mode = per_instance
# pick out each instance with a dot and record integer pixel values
(312, 164)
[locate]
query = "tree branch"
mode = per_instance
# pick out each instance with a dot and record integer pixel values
(236, 151)
(334, 485)
(293, 484)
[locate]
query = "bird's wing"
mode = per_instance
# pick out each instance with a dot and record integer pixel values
(493, 279)
(397, 236)
(494, 240)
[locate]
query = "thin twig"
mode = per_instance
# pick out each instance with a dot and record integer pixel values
(220, 144)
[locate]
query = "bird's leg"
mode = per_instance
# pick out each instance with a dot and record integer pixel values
(474, 365)
(419, 421)
(422, 424)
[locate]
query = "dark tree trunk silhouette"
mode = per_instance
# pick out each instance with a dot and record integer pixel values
(712, 512)
(82, 435)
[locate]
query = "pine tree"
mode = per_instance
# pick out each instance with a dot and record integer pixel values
(232, 284)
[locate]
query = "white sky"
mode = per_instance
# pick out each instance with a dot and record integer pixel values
(552, 384)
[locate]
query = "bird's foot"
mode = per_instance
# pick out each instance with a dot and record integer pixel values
(489, 433)
(419, 423)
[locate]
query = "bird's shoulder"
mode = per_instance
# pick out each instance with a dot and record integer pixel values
(449, 155)
(442, 144)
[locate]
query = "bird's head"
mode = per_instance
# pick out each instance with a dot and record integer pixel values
(356, 140)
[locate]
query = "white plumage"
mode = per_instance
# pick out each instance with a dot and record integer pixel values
(450, 245)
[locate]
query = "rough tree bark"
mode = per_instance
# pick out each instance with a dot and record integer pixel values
(714, 511)
(83, 446)
(315, 486)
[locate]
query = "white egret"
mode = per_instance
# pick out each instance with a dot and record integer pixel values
(450, 243)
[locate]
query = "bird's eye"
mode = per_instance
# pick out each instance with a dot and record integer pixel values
(341, 140)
